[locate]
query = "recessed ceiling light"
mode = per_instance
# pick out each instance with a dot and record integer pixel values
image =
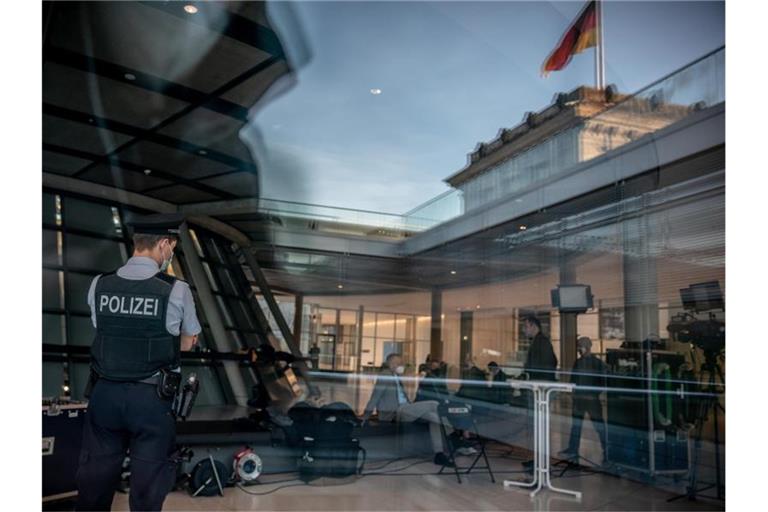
(375, 92)
(190, 9)
(523, 228)
(477, 307)
(130, 76)
(202, 152)
(340, 286)
(453, 272)
(147, 171)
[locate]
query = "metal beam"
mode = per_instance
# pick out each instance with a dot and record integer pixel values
(189, 108)
(266, 292)
(148, 135)
(213, 315)
(146, 81)
(88, 188)
(436, 326)
(298, 307)
(135, 168)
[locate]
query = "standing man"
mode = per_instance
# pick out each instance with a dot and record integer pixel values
(143, 318)
(589, 376)
(314, 356)
(540, 363)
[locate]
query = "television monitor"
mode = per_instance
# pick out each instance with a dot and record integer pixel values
(702, 297)
(574, 298)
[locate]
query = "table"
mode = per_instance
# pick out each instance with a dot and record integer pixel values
(542, 392)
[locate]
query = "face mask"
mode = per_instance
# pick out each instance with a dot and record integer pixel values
(400, 370)
(166, 262)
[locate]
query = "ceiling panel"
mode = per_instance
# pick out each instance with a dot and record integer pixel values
(172, 161)
(62, 164)
(242, 184)
(71, 134)
(122, 178)
(103, 97)
(182, 194)
(212, 130)
(149, 40)
(251, 90)
(254, 11)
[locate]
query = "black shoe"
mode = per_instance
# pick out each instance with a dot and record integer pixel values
(442, 459)
(528, 464)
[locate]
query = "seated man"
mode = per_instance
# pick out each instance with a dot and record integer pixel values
(432, 384)
(500, 393)
(473, 382)
(391, 402)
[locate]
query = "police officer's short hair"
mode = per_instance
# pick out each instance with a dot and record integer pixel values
(144, 242)
(533, 320)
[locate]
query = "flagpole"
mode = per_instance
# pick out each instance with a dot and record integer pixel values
(600, 49)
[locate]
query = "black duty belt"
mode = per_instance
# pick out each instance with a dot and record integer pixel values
(153, 380)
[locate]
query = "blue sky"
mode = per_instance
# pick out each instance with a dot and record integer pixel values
(451, 74)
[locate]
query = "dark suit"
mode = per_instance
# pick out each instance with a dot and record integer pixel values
(588, 372)
(541, 361)
(432, 387)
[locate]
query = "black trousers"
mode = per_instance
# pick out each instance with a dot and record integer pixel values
(126, 417)
(583, 405)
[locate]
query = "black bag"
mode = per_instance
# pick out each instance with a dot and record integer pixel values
(324, 437)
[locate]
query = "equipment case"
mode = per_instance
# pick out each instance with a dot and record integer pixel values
(62, 437)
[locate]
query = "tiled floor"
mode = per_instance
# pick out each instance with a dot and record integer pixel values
(417, 487)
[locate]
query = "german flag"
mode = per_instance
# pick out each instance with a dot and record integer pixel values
(582, 34)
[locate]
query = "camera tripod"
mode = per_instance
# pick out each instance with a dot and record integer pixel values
(709, 402)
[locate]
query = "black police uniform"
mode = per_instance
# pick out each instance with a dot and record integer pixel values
(126, 412)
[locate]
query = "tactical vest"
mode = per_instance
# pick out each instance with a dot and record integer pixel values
(132, 342)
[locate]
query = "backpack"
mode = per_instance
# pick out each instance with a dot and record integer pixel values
(324, 437)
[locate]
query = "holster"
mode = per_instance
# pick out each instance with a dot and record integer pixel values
(92, 378)
(168, 384)
(185, 399)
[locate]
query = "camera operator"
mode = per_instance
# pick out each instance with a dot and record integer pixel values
(589, 377)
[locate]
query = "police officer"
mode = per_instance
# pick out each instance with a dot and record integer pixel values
(143, 318)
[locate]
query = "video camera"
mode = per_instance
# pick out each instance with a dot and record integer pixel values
(708, 335)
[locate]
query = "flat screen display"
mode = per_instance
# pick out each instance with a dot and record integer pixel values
(702, 297)
(572, 298)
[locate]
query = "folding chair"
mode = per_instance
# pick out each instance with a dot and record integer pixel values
(459, 416)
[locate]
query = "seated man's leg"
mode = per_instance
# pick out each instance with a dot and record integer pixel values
(426, 410)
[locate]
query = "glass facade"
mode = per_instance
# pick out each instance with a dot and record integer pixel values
(212, 112)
